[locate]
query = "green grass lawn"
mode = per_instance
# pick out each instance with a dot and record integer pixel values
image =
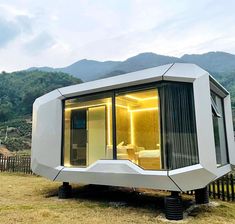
(31, 199)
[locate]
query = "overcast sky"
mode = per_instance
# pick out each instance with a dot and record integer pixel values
(59, 32)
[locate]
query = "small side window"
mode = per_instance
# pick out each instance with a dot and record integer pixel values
(219, 129)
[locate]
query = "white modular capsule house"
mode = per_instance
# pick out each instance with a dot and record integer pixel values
(168, 127)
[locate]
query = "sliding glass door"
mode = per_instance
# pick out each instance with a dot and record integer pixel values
(87, 130)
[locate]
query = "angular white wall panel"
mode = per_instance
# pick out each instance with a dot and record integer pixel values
(204, 123)
(46, 134)
(123, 173)
(191, 177)
(181, 72)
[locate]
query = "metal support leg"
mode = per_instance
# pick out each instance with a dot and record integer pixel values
(65, 191)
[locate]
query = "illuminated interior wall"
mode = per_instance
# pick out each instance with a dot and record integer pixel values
(96, 133)
(123, 125)
(67, 132)
(138, 128)
(146, 127)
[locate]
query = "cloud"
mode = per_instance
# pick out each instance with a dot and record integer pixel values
(8, 31)
(39, 43)
(25, 28)
(13, 23)
(61, 33)
(25, 23)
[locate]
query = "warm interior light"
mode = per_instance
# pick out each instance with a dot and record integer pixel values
(67, 164)
(141, 99)
(132, 129)
(109, 131)
(94, 105)
(122, 106)
(87, 106)
(125, 107)
(150, 98)
(144, 109)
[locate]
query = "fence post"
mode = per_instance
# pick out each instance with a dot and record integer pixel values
(218, 188)
(227, 188)
(223, 195)
(214, 194)
(13, 164)
(232, 186)
(1, 163)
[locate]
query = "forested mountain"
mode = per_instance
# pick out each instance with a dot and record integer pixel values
(25, 86)
(215, 62)
(220, 64)
(227, 79)
(144, 60)
(85, 69)
(212, 61)
(18, 90)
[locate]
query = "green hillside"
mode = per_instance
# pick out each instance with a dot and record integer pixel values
(18, 91)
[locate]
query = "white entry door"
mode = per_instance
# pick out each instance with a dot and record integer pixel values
(96, 134)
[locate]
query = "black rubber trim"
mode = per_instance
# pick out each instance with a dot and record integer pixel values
(61, 94)
(58, 174)
(167, 71)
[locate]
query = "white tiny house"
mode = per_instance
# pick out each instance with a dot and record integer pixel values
(168, 127)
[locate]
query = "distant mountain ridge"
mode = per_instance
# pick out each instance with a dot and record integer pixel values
(88, 70)
(84, 69)
(212, 61)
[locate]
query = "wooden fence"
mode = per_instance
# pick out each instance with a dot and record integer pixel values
(223, 188)
(15, 164)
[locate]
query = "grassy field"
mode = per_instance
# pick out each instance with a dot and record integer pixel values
(31, 199)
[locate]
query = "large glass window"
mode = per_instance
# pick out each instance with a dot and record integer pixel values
(87, 130)
(154, 127)
(138, 128)
(219, 129)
